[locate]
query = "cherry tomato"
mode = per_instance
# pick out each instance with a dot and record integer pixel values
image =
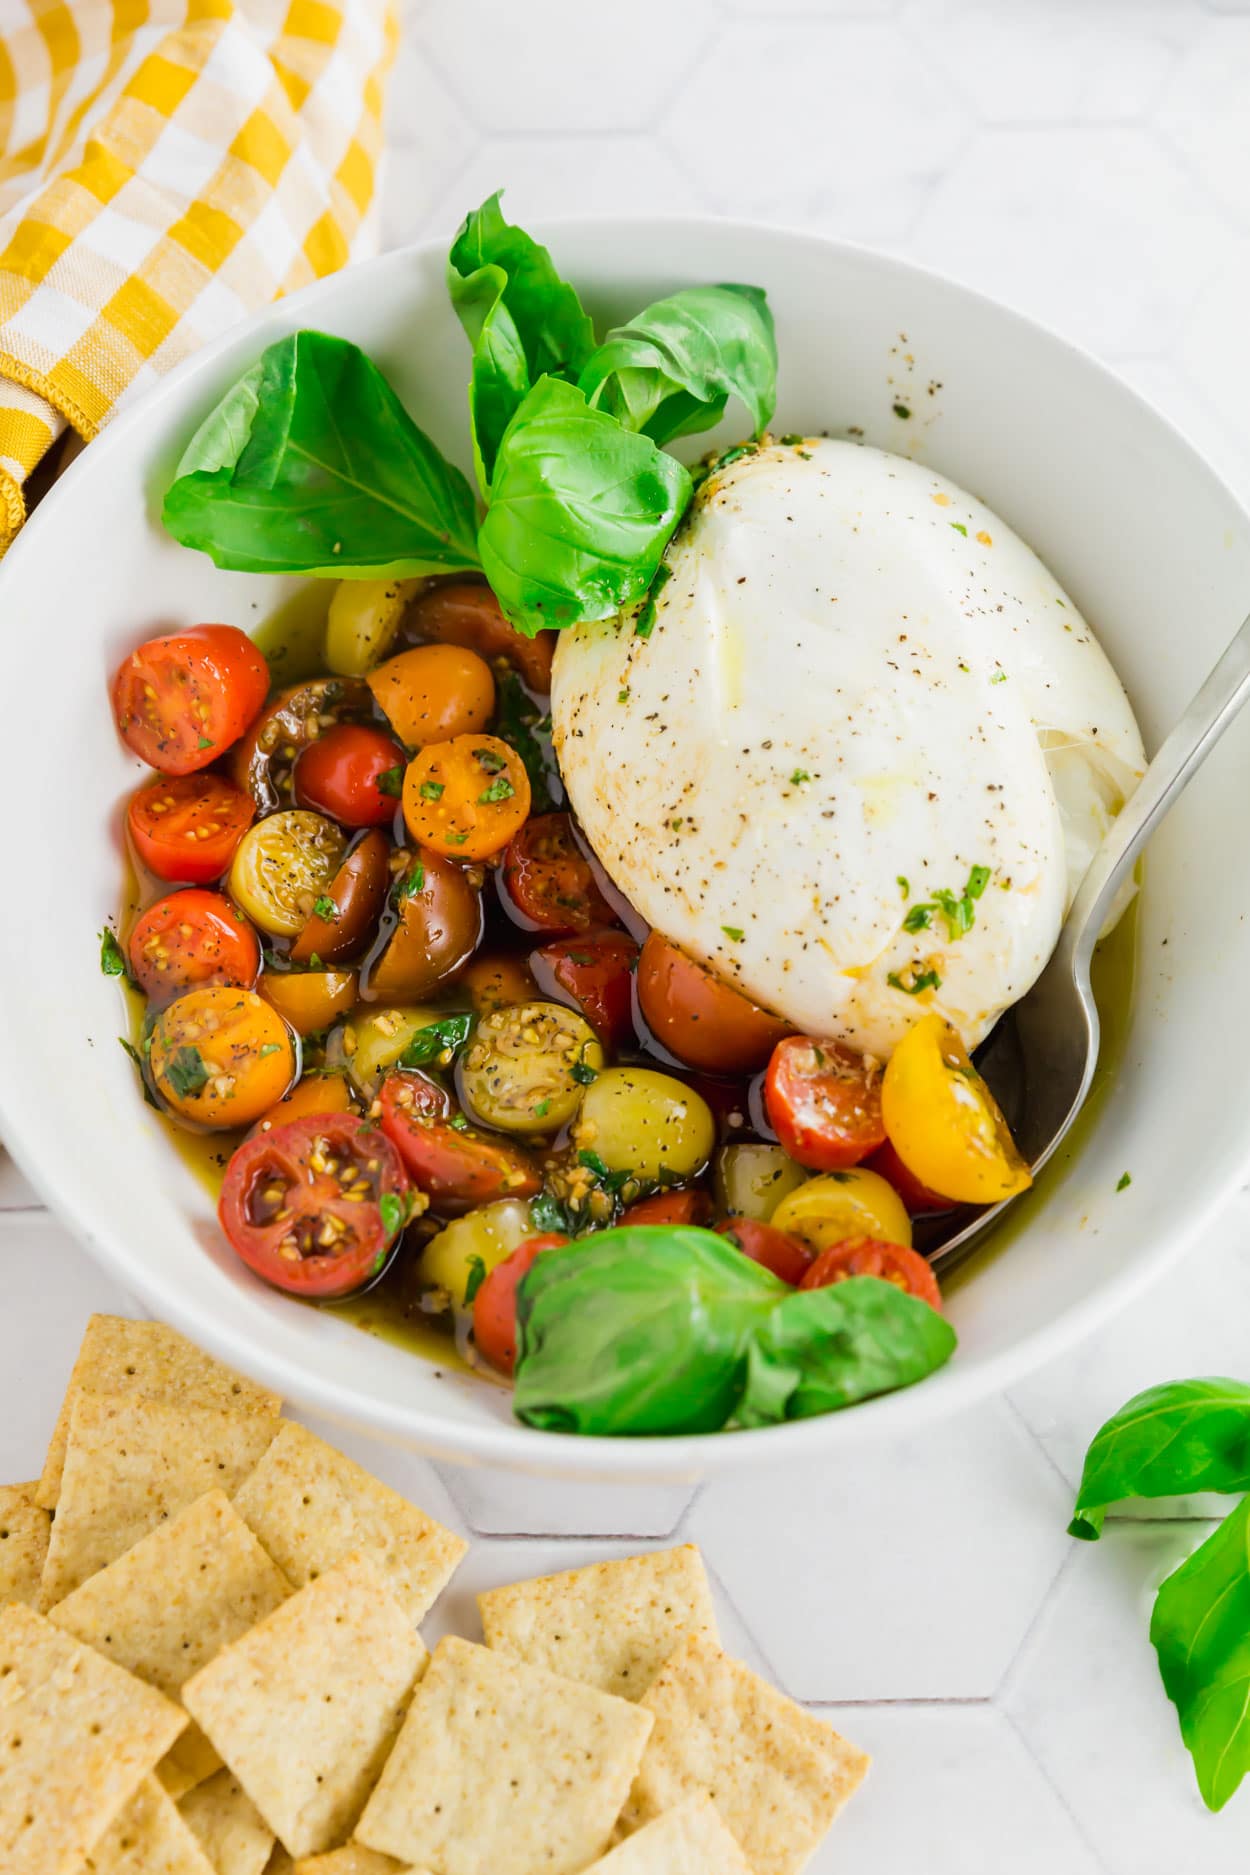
(869, 1256)
(181, 700)
(462, 613)
(824, 1103)
(547, 879)
(917, 1197)
(356, 894)
(221, 1057)
(316, 1093)
(496, 981)
(314, 1205)
(704, 1021)
(310, 1000)
(669, 1207)
(467, 797)
(341, 774)
(943, 1121)
(432, 927)
(494, 1305)
(434, 692)
(188, 828)
(264, 762)
(459, 1167)
(595, 974)
(188, 938)
(775, 1249)
(837, 1205)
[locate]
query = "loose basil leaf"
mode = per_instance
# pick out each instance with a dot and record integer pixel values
(112, 956)
(452, 1032)
(823, 1349)
(1201, 1632)
(580, 512)
(310, 464)
(671, 370)
(638, 1330)
(520, 723)
(1190, 1435)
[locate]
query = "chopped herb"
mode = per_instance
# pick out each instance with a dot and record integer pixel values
(270, 1048)
(490, 761)
(957, 912)
(901, 410)
(409, 884)
(186, 1072)
(918, 918)
(738, 451)
(205, 742)
(960, 528)
(500, 789)
(999, 677)
(790, 438)
(431, 790)
(452, 1032)
(391, 1207)
(583, 1073)
(314, 962)
(391, 781)
(542, 1110)
(1125, 1180)
(978, 879)
(799, 776)
(593, 1163)
(459, 1122)
(325, 908)
(644, 624)
(927, 980)
(903, 884)
(475, 1279)
(734, 931)
(519, 723)
(112, 957)
(455, 839)
(137, 1058)
(548, 1214)
(622, 696)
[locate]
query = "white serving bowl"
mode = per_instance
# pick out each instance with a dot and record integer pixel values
(1151, 544)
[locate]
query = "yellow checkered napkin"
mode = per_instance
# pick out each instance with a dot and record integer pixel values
(167, 166)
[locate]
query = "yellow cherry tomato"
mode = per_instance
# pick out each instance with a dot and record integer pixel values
(365, 617)
(221, 1057)
(838, 1205)
(309, 999)
(943, 1121)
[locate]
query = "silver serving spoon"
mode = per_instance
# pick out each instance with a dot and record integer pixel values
(1041, 1058)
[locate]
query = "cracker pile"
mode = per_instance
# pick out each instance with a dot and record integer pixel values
(211, 1664)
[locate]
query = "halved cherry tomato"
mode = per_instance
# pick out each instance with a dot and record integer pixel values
(431, 928)
(356, 895)
(221, 1057)
(459, 1167)
(354, 773)
(547, 881)
(181, 700)
(264, 762)
(496, 981)
(316, 1093)
(434, 692)
(920, 1201)
(824, 1103)
(943, 1121)
(188, 827)
(494, 1305)
(837, 1205)
(869, 1256)
(313, 1206)
(310, 1000)
(467, 797)
(669, 1207)
(777, 1250)
(704, 1021)
(188, 938)
(462, 613)
(595, 974)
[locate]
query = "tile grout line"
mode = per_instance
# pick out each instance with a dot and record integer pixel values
(1059, 1796)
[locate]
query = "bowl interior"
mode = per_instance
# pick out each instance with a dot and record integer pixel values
(1151, 545)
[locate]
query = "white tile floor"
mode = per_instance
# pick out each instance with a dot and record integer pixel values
(1087, 160)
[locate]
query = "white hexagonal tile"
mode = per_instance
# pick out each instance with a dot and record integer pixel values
(560, 64)
(429, 138)
(1101, 233)
(1087, 1698)
(16, 1192)
(558, 175)
(813, 9)
(1206, 111)
(829, 125)
(513, 1504)
(907, 1571)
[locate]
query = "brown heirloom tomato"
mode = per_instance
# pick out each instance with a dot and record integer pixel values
(357, 894)
(699, 1018)
(459, 1167)
(181, 700)
(547, 879)
(431, 928)
(464, 613)
(188, 938)
(264, 762)
(824, 1103)
(595, 974)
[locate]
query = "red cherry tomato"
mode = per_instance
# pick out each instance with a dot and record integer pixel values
(870, 1256)
(339, 775)
(189, 938)
(917, 1197)
(824, 1103)
(669, 1207)
(776, 1249)
(595, 974)
(547, 879)
(458, 1166)
(180, 701)
(187, 828)
(494, 1305)
(698, 1017)
(314, 1206)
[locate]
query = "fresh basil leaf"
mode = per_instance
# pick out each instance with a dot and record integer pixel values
(580, 512)
(433, 1040)
(112, 956)
(548, 1213)
(671, 370)
(1190, 1435)
(1200, 1629)
(186, 1071)
(519, 723)
(476, 1277)
(391, 1209)
(823, 1349)
(500, 376)
(638, 1330)
(310, 464)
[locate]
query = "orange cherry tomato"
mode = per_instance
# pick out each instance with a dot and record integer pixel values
(872, 1256)
(920, 1201)
(316, 1093)
(187, 827)
(494, 1305)
(353, 774)
(547, 879)
(459, 1167)
(434, 692)
(704, 1021)
(310, 1000)
(467, 797)
(669, 1207)
(181, 700)
(824, 1103)
(189, 938)
(462, 613)
(357, 893)
(497, 981)
(776, 1250)
(595, 974)
(221, 1057)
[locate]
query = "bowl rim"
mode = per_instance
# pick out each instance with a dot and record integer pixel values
(509, 1443)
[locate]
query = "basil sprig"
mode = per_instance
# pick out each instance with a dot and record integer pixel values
(1190, 1435)
(670, 1329)
(435, 1039)
(671, 370)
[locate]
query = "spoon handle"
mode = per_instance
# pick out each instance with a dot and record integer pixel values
(1183, 752)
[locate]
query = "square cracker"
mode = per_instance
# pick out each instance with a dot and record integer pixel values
(305, 1707)
(77, 1738)
(120, 1356)
(148, 1838)
(191, 1760)
(228, 1827)
(24, 1531)
(502, 1769)
(612, 1625)
(279, 1862)
(310, 1506)
(777, 1775)
(130, 1464)
(353, 1859)
(690, 1840)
